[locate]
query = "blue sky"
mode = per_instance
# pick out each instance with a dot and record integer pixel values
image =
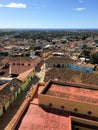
(48, 13)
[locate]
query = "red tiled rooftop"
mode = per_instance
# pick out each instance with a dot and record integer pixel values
(20, 59)
(73, 93)
(57, 60)
(23, 76)
(6, 89)
(38, 118)
(17, 59)
(3, 86)
(65, 75)
(20, 69)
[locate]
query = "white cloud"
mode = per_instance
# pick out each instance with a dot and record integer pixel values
(81, 1)
(1, 5)
(14, 5)
(79, 9)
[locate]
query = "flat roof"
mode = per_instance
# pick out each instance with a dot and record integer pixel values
(73, 93)
(38, 118)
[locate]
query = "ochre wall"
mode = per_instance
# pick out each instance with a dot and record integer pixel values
(27, 80)
(69, 105)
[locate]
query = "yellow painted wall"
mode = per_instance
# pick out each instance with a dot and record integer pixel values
(12, 99)
(19, 90)
(7, 105)
(27, 80)
(15, 120)
(25, 83)
(15, 94)
(1, 111)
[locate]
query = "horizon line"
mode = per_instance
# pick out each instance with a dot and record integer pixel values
(48, 28)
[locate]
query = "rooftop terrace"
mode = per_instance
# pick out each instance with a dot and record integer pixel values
(74, 93)
(38, 118)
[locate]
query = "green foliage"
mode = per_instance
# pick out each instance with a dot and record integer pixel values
(85, 53)
(94, 58)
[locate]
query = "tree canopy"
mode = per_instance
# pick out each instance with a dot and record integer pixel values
(94, 58)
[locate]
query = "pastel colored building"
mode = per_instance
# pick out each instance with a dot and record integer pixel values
(1, 110)
(58, 61)
(19, 65)
(10, 90)
(8, 94)
(26, 77)
(80, 101)
(62, 106)
(65, 62)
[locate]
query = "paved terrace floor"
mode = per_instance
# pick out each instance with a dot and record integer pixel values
(38, 118)
(80, 94)
(12, 110)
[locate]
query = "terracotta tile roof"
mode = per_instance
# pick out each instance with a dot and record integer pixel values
(58, 60)
(7, 89)
(24, 75)
(3, 99)
(65, 75)
(19, 59)
(3, 86)
(20, 69)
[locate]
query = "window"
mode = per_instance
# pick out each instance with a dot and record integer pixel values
(62, 107)
(22, 64)
(89, 112)
(29, 65)
(75, 109)
(50, 105)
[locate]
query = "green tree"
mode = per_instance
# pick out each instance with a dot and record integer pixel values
(86, 53)
(94, 58)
